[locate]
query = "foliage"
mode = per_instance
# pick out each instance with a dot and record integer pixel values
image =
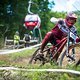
(12, 14)
(56, 15)
(12, 21)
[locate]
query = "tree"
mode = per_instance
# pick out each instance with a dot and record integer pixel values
(12, 13)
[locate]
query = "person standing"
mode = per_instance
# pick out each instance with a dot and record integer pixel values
(16, 40)
(26, 39)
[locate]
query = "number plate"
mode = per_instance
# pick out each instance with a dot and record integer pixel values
(73, 36)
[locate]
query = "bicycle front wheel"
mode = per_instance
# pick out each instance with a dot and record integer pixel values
(74, 52)
(38, 57)
(34, 55)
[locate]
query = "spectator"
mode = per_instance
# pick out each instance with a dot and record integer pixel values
(27, 39)
(16, 40)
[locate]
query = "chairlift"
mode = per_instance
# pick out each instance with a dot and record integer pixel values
(32, 21)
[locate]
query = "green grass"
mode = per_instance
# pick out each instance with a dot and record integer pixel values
(24, 75)
(20, 59)
(13, 58)
(22, 54)
(16, 60)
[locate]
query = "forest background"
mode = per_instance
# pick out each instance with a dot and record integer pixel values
(13, 12)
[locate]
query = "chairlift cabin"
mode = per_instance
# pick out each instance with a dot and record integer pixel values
(31, 21)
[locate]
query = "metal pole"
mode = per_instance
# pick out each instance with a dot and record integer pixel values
(40, 34)
(67, 50)
(30, 2)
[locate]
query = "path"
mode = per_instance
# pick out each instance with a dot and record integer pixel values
(17, 50)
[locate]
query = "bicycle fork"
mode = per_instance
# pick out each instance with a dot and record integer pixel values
(67, 49)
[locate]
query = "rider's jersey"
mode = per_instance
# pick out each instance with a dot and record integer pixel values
(61, 30)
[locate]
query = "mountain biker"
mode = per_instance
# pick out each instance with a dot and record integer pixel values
(60, 31)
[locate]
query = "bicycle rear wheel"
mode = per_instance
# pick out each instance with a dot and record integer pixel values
(38, 58)
(65, 61)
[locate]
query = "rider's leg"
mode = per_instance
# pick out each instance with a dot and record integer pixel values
(60, 48)
(49, 37)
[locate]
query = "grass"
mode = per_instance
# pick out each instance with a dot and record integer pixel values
(20, 59)
(16, 58)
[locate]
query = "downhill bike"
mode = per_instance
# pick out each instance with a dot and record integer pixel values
(66, 52)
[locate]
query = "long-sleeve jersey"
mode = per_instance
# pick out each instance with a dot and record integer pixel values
(61, 30)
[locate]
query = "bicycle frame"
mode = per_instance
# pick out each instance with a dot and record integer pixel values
(60, 46)
(52, 53)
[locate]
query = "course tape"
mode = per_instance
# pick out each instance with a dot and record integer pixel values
(42, 70)
(18, 50)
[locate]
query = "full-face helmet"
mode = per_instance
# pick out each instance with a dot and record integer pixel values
(71, 19)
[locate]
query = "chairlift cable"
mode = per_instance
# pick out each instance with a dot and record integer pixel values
(75, 7)
(78, 2)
